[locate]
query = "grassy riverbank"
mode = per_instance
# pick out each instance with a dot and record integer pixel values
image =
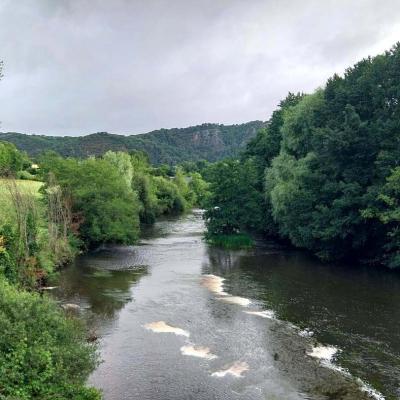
(231, 242)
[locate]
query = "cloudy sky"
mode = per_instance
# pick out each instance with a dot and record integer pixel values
(73, 67)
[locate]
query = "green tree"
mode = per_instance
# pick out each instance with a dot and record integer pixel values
(330, 162)
(200, 189)
(11, 160)
(386, 209)
(122, 162)
(234, 202)
(143, 184)
(169, 200)
(104, 208)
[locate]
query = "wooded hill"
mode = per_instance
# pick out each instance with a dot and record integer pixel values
(209, 142)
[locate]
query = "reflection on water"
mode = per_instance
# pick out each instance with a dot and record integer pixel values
(268, 323)
(352, 307)
(100, 283)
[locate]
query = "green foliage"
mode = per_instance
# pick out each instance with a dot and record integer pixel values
(142, 183)
(235, 203)
(110, 195)
(336, 149)
(24, 231)
(25, 175)
(169, 198)
(327, 163)
(182, 183)
(261, 151)
(122, 162)
(11, 160)
(43, 355)
(386, 209)
(8, 262)
(200, 190)
(267, 143)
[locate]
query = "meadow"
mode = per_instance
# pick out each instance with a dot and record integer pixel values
(24, 187)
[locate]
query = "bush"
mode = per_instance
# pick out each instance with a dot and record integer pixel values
(43, 355)
(25, 175)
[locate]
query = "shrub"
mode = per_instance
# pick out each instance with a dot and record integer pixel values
(43, 355)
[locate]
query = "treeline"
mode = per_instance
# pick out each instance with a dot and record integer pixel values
(108, 197)
(211, 142)
(66, 206)
(325, 171)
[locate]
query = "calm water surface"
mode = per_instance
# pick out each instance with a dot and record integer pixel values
(354, 311)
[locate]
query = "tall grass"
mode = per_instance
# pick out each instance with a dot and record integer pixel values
(26, 187)
(232, 242)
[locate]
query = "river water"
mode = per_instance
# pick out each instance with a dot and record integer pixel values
(177, 319)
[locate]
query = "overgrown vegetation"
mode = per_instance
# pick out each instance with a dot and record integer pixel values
(324, 172)
(43, 354)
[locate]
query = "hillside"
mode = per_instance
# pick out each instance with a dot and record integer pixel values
(208, 141)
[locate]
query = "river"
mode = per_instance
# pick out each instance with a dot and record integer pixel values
(177, 319)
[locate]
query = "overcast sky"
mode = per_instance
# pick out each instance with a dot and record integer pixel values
(74, 67)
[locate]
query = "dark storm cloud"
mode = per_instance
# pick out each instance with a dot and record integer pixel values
(80, 66)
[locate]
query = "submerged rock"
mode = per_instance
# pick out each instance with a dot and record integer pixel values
(71, 307)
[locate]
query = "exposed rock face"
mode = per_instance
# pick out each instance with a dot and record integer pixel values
(210, 142)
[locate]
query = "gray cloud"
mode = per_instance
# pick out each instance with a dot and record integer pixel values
(80, 66)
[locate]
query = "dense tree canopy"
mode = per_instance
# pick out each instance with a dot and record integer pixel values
(327, 164)
(234, 200)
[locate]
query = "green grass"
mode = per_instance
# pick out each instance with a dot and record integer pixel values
(25, 186)
(232, 242)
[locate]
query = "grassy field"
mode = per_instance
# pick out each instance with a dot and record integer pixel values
(26, 187)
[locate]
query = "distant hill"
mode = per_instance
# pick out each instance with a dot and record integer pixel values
(170, 146)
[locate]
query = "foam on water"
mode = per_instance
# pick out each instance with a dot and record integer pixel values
(214, 284)
(325, 353)
(197, 351)
(241, 301)
(306, 333)
(162, 327)
(370, 390)
(263, 314)
(236, 369)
